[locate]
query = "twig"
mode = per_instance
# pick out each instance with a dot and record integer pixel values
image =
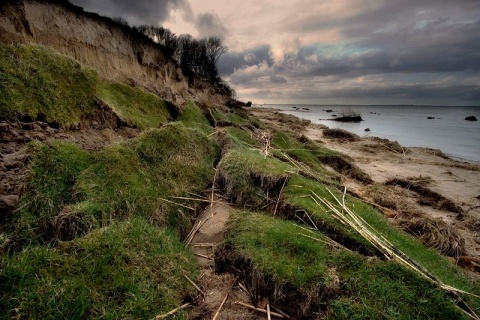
(280, 311)
(163, 316)
(269, 316)
(249, 306)
(192, 199)
(195, 285)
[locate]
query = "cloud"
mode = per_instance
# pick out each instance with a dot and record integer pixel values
(137, 12)
(209, 25)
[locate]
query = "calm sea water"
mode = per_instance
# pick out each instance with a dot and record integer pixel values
(409, 125)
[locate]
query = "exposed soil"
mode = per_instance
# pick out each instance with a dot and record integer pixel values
(435, 194)
(99, 130)
(216, 286)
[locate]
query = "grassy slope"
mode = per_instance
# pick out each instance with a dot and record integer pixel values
(240, 165)
(137, 108)
(71, 192)
(339, 283)
(131, 270)
(37, 81)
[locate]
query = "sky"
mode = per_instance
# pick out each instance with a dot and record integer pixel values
(330, 51)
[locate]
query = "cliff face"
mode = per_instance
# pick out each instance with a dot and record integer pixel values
(114, 52)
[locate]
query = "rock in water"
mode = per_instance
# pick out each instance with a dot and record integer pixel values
(471, 118)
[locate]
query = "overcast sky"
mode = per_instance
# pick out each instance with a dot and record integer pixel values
(330, 51)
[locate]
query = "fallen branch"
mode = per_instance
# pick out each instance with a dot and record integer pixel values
(202, 256)
(163, 316)
(178, 204)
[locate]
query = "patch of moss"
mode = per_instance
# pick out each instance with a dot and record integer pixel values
(134, 106)
(42, 84)
(130, 270)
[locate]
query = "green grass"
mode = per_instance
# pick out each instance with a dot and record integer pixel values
(296, 194)
(343, 284)
(129, 178)
(54, 170)
(234, 117)
(248, 174)
(134, 106)
(194, 118)
(130, 270)
(87, 190)
(37, 81)
(307, 153)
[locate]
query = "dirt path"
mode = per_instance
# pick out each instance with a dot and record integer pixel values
(216, 286)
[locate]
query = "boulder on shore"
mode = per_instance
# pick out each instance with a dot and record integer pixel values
(471, 118)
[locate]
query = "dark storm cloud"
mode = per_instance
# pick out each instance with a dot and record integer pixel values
(232, 61)
(137, 12)
(209, 25)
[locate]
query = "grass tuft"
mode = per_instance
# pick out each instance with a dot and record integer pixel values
(130, 270)
(134, 106)
(194, 118)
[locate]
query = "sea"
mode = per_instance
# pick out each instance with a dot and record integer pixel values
(437, 127)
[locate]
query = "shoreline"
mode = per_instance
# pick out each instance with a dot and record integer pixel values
(454, 156)
(455, 180)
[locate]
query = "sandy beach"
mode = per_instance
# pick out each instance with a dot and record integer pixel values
(416, 207)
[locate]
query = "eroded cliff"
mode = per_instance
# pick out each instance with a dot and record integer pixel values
(113, 50)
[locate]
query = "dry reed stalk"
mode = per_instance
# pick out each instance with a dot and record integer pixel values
(163, 316)
(388, 249)
(195, 229)
(269, 316)
(279, 195)
(195, 285)
(201, 245)
(249, 306)
(224, 299)
(175, 203)
(202, 256)
(213, 189)
(193, 199)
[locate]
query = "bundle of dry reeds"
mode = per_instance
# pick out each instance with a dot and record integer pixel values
(346, 216)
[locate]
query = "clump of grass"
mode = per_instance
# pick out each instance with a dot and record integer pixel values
(226, 117)
(129, 179)
(134, 106)
(304, 151)
(54, 170)
(437, 234)
(249, 177)
(193, 117)
(39, 83)
(428, 197)
(309, 277)
(346, 168)
(233, 137)
(340, 134)
(71, 192)
(130, 270)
